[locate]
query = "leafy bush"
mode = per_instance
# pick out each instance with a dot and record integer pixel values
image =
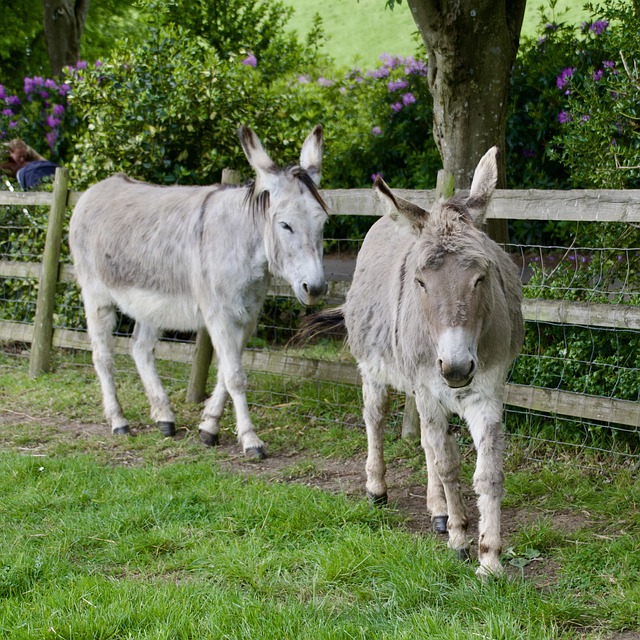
(39, 115)
(599, 139)
(574, 103)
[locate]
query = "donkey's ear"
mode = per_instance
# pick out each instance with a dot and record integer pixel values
(265, 168)
(405, 213)
(311, 154)
(483, 185)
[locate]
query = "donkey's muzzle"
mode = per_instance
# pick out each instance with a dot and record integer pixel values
(457, 374)
(313, 291)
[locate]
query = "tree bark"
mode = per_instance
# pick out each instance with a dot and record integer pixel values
(471, 47)
(63, 26)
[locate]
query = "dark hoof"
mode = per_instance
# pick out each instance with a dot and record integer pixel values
(122, 431)
(464, 554)
(439, 523)
(377, 501)
(208, 439)
(167, 429)
(255, 453)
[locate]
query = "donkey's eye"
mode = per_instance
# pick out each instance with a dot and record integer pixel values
(478, 282)
(286, 227)
(422, 284)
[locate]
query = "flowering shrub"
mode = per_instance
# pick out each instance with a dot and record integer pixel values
(39, 115)
(379, 122)
(574, 93)
(599, 137)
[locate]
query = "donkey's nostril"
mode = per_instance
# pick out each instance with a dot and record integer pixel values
(315, 290)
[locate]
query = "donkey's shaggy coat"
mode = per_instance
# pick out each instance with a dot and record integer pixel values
(434, 310)
(188, 257)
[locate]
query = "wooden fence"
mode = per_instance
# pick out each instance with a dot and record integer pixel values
(575, 205)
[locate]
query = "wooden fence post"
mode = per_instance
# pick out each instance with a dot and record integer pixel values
(40, 361)
(445, 187)
(204, 349)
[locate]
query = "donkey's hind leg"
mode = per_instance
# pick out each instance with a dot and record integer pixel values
(101, 320)
(142, 345)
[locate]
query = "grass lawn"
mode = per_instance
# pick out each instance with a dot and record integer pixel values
(150, 537)
(359, 31)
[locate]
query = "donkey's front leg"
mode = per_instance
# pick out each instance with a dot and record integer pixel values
(488, 480)
(376, 402)
(436, 499)
(229, 341)
(213, 409)
(142, 345)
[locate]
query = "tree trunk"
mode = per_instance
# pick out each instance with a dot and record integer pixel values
(63, 25)
(471, 48)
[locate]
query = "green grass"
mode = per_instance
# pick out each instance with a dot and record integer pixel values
(359, 31)
(150, 537)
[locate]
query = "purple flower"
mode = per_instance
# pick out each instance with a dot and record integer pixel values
(38, 81)
(58, 109)
(250, 61)
(564, 117)
(608, 64)
(563, 79)
(599, 27)
(51, 138)
(528, 153)
(375, 176)
(585, 118)
(28, 85)
(52, 122)
(304, 79)
(64, 89)
(415, 67)
(389, 61)
(407, 99)
(3, 94)
(376, 131)
(98, 64)
(324, 82)
(598, 75)
(396, 106)
(380, 72)
(13, 124)
(81, 64)
(13, 101)
(50, 84)
(550, 26)
(7, 113)
(396, 85)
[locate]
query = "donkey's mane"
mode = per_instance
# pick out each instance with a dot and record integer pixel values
(450, 229)
(258, 203)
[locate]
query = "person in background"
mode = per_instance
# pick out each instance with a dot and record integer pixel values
(26, 164)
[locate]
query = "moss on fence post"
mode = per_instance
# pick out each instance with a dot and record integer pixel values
(40, 361)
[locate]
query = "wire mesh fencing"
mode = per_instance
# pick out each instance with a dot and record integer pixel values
(575, 387)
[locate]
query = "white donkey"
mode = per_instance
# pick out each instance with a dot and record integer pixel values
(434, 310)
(187, 257)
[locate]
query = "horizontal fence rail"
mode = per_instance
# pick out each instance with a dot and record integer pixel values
(574, 205)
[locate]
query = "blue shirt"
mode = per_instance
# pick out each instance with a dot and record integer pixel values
(33, 173)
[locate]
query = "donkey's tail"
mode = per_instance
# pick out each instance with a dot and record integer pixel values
(318, 324)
